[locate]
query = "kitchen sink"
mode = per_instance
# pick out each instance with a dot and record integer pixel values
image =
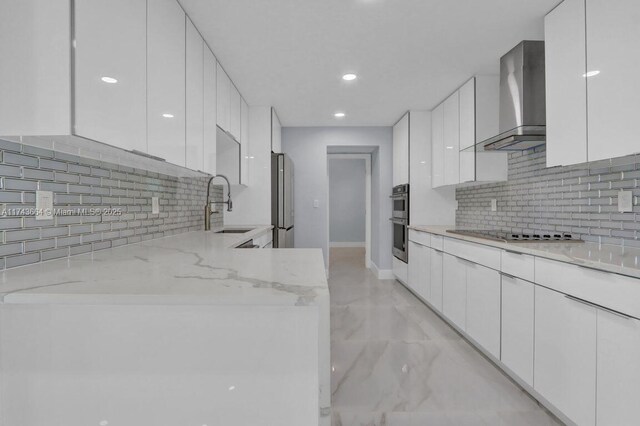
(233, 231)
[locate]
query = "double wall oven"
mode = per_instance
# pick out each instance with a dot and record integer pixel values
(400, 221)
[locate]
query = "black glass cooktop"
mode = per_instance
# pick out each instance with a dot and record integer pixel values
(505, 236)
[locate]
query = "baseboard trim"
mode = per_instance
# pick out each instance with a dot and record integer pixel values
(382, 274)
(346, 244)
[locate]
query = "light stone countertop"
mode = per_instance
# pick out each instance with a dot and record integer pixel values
(191, 268)
(609, 258)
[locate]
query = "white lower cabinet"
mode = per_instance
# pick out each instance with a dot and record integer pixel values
(483, 307)
(454, 290)
(517, 327)
(618, 370)
(565, 354)
(435, 278)
(419, 259)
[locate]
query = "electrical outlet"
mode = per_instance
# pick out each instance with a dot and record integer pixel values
(155, 205)
(44, 205)
(625, 201)
(494, 205)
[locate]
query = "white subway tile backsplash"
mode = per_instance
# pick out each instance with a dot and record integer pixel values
(580, 199)
(80, 183)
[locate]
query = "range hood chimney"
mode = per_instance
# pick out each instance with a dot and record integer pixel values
(522, 99)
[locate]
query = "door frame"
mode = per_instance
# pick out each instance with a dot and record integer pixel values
(367, 167)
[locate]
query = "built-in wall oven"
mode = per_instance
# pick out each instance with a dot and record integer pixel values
(400, 222)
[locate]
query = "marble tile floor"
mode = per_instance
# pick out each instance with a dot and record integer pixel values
(396, 363)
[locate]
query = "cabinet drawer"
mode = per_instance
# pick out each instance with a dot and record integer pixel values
(483, 255)
(612, 291)
(437, 242)
(420, 237)
(518, 265)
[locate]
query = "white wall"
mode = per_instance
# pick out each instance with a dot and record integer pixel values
(252, 204)
(307, 147)
(347, 205)
(427, 206)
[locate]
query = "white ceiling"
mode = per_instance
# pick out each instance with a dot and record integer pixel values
(408, 54)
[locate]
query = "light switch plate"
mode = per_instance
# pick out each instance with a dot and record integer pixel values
(316, 204)
(625, 201)
(494, 205)
(155, 205)
(44, 205)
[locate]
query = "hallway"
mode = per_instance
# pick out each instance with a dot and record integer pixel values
(396, 363)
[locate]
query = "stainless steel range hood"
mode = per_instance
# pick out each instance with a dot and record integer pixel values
(522, 99)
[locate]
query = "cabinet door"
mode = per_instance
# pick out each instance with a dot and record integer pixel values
(401, 151)
(435, 279)
(467, 95)
(612, 50)
(195, 99)
(454, 289)
(517, 327)
(452, 140)
(566, 86)
(437, 146)
(210, 111)
(111, 43)
(565, 354)
(245, 147)
(618, 370)
(483, 307)
(223, 85)
(166, 80)
(419, 277)
(234, 112)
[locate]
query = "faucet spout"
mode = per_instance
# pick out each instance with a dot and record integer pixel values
(207, 208)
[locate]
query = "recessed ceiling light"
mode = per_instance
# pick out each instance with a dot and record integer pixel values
(109, 80)
(449, 147)
(591, 73)
(349, 77)
(167, 115)
(339, 114)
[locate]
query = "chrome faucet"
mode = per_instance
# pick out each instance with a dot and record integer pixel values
(207, 207)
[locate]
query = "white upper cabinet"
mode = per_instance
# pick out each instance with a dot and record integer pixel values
(467, 95)
(111, 45)
(401, 151)
(166, 80)
(37, 102)
(451, 140)
(195, 98)
(209, 112)
(612, 52)
(223, 84)
(437, 146)
(566, 86)
(591, 99)
(479, 115)
(276, 132)
(245, 144)
(234, 112)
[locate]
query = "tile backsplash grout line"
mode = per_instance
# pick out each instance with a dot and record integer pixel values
(82, 183)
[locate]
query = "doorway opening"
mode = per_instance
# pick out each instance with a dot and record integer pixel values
(349, 203)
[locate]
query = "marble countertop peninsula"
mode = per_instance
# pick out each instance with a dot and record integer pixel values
(197, 268)
(608, 258)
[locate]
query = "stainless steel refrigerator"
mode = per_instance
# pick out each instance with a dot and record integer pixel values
(282, 200)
